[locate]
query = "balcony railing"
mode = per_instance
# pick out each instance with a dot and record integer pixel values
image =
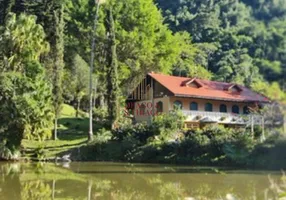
(222, 118)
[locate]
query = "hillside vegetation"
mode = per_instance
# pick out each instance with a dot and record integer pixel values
(45, 55)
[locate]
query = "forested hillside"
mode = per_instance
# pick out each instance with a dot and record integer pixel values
(45, 51)
(239, 40)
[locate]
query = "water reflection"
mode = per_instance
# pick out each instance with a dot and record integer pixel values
(123, 182)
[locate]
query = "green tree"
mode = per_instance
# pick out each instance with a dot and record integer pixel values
(50, 13)
(57, 58)
(25, 95)
(75, 85)
(112, 70)
(143, 41)
(22, 41)
(238, 40)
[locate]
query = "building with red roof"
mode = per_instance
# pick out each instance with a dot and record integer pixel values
(202, 101)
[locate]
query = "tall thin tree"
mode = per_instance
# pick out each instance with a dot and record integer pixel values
(57, 54)
(90, 133)
(112, 71)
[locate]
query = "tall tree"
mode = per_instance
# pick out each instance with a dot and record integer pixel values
(112, 69)
(25, 94)
(5, 8)
(143, 41)
(75, 85)
(57, 57)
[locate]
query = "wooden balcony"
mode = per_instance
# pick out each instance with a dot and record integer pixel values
(222, 118)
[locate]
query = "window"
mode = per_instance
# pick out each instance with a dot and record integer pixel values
(223, 108)
(235, 109)
(178, 104)
(160, 107)
(194, 106)
(208, 107)
(245, 110)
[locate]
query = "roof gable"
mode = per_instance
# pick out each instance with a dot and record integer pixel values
(234, 88)
(194, 83)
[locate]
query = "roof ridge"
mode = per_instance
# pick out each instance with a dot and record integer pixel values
(200, 79)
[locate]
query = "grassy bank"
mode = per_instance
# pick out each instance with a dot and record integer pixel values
(72, 134)
(163, 142)
(210, 147)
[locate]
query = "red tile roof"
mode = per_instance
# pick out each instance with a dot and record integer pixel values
(209, 89)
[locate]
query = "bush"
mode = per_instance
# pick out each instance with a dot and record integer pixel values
(7, 153)
(40, 153)
(167, 125)
(141, 132)
(99, 114)
(213, 145)
(173, 120)
(239, 150)
(103, 136)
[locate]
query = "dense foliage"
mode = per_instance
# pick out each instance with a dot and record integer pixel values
(45, 48)
(25, 95)
(240, 41)
(166, 142)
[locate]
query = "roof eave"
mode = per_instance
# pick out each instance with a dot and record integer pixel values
(221, 99)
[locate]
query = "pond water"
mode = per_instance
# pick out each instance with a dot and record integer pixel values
(35, 181)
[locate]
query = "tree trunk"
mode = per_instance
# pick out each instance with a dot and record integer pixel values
(53, 190)
(95, 91)
(284, 123)
(89, 190)
(252, 126)
(90, 133)
(56, 128)
(77, 108)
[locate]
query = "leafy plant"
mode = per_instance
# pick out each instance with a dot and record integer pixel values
(103, 136)
(40, 152)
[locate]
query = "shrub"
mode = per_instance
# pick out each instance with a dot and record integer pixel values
(99, 114)
(140, 132)
(239, 150)
(165, 126)
(7, 153)
(169, 121)
(103, 136)
(40, 152)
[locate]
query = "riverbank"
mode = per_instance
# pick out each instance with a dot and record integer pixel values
(268, 155)
(163, 142)
(195, 149)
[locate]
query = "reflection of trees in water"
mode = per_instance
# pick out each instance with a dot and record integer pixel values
(9, 181)
(36, 190)
(42, 182)
(276, 189)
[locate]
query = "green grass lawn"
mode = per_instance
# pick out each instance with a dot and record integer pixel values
(72, 133)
